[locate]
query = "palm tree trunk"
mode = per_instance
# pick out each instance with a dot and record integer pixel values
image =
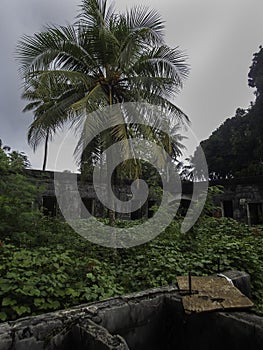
(45, 152)
(111, 213)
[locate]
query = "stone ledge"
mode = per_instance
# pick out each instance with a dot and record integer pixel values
(152, 319)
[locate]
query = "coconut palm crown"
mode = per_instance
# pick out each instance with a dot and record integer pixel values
(102, 59)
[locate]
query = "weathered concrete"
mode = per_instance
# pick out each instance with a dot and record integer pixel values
(69, 189)
(241, 280)
(152, 319)
(213, 330)
(242, 198)
(86, 335)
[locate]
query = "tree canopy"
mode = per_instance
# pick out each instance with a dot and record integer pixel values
(17, 194)
(102, 59)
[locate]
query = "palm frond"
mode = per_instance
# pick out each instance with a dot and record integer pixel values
(96, 13)
(73, 72)
(165, 63)
(142, 18)
(31, 106)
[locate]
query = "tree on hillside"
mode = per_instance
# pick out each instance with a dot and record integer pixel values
(17, 194)
(236, 148)
(255, 74)
(106, 58)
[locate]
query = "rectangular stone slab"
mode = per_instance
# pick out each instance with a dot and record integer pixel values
(211, 293)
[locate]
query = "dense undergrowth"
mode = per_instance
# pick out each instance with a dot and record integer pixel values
(45, 265)
(55, 268)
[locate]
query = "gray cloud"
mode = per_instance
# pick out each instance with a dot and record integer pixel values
(18, 18)
(220, 37)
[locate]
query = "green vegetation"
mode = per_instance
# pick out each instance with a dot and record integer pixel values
(45, 266)
(16, 195)
(104, 58)
(235, 149)
(58, 269)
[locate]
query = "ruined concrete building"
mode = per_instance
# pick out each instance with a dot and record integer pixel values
(242, 198)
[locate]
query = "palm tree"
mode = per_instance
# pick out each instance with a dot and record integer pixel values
(47, 102)
(105, 58)
(40, 95)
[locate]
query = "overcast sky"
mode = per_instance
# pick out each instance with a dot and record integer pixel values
(219, 37)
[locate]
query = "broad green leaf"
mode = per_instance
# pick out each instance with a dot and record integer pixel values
(3, 316)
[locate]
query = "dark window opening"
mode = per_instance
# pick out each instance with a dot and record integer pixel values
(50, 205)
(256, 213)
(89, 205)
(228, 209)
(183, 207)
(137, 214)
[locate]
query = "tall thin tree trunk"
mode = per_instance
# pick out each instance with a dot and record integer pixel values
(45, 152)
(111, 213)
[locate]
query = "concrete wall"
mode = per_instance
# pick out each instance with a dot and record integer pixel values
(70, 187)
(152, 319)
(244, 195)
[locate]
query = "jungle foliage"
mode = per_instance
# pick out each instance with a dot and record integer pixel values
(46, 266)
(235, 149)
(56, 268)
